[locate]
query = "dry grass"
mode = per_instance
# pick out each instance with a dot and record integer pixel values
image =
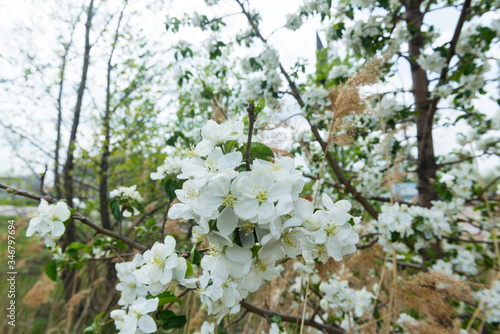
(431, 295)
(40, 292)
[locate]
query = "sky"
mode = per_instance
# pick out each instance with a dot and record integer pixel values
(36, 16)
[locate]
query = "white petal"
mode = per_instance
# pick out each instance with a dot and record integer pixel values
(204, 148)
(147, 324)
(149, 305)
(262, 175)
(61, 211)
(238, 254)
(227, 221)
(266, 210)
(246, 208)
(230, 161)
(344, 204)
(170, 243)
(327, 202)
(57, 229)
(284, 206)
(280, 189)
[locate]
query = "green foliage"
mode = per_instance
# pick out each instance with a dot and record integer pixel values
(170, 320)
(195, 257)
(165, 298)
(51, 270)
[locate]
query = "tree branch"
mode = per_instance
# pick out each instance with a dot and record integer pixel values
(288, 318)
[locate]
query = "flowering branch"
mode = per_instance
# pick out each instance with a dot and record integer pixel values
(76, 216)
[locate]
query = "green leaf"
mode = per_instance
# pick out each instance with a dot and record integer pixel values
(170, 187)
(189, 271)
(170, 320)
(51, 270)
(76, 246)
(120, 245)
(195, 257)
(115, 209)
(139, 207)
(260, 106)
(276, 319)
(150, 222)
(166, 297)
(260, 151)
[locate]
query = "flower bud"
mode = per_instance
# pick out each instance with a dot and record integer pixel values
(312, 224)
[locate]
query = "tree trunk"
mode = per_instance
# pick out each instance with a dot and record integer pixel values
(425, 109)
(62, 72)
(426, 167)
(69, 276)
(103, 183)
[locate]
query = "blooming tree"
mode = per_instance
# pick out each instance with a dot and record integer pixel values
(328, 207)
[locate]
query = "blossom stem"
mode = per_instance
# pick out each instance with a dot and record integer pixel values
(251, 121)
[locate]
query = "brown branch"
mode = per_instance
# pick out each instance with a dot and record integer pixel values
(165, 218)
(383, 199)
(288, 318)
(405, 264)
(457, 161)
(368, 244)
(42, 181)
(182, 294)
(492, 183)
(111, 257)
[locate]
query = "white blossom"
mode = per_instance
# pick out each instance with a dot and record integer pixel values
(48, 222)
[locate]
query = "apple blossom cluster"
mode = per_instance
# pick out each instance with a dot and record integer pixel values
(126, 196)
(343, 300)
(207, 328)
(48, 222)
(406, 221)
(136, 320)
(464, 178)
(316, 98)
(433, 62)
(491, 299)
(170, 167)
(252, 219)
(340, 71)
(263, 76)
(158, 270)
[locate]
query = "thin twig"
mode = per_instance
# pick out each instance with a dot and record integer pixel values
(42, 180)
(165, 218)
